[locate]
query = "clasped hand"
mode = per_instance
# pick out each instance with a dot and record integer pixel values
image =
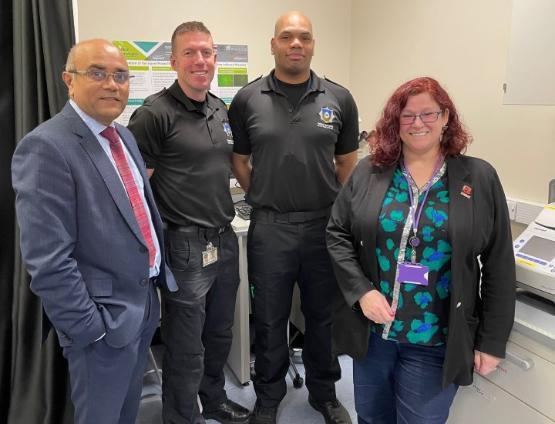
(375, 307)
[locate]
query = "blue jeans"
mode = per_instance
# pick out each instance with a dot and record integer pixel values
(401, 383)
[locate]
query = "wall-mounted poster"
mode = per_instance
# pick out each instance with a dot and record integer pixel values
(149, 63)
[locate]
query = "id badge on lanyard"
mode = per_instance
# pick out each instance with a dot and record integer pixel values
(414, 272)
(411, 272)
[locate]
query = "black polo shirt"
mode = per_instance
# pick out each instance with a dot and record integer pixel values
(292, 147)
(190, 150)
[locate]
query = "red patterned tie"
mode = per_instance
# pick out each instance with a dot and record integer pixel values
(131, 188)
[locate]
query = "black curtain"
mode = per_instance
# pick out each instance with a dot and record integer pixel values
(7, 143)
(34, 386)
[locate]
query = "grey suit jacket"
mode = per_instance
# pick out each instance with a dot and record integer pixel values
(80, 240)
(479, 227)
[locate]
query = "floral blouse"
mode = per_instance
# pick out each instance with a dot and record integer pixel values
(422, 311)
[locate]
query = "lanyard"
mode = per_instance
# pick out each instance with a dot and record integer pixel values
(410, 223)
(416, 207)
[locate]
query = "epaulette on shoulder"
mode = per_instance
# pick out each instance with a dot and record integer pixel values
(216, 98)
(333, 82)
(153, 97)
(254, 80)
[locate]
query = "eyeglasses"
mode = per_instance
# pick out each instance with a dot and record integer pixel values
(99, 75)
(426, 117)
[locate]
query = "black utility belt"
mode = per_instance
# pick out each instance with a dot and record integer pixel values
(268, 215)
(196, 230)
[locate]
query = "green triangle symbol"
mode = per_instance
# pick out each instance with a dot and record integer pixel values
(146, 45)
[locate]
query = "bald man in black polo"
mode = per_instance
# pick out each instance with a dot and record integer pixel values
(296, 137)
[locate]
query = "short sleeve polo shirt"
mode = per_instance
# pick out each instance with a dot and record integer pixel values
(292, 147)
(189, 148)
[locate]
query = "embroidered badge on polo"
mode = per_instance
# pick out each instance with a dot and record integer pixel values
(326, 115)
(228, 133)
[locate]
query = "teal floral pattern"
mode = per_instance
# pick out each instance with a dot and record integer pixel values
(422, 311)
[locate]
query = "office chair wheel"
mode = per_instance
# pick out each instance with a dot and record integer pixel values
(298, 382)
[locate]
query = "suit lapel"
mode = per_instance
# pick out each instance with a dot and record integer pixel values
(105, 168)
(379, 183)
(460, 217)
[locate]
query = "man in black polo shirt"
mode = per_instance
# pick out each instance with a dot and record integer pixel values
(186, 141)
(289, 127)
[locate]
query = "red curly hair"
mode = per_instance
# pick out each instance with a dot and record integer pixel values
(387, 146)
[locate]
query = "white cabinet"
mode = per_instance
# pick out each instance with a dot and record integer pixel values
(520, 391)
(485, 403)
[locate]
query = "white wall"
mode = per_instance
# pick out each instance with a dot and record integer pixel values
(464, 45)
(233, 22)
(372, 46)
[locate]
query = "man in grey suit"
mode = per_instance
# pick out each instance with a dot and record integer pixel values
(91, 236)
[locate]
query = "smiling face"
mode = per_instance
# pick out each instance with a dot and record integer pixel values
(104, 100)
(421, 138)
(293, 47)
(194, 60)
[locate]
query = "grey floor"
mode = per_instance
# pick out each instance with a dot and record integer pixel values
(293, 409)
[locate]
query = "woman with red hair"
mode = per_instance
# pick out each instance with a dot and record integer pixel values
(411, 235)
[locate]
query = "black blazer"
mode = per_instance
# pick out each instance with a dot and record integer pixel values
(479, 232)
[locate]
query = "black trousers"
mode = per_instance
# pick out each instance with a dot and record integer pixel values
(197, 322)
(281, 253)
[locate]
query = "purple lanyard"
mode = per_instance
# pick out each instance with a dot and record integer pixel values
(416, 211)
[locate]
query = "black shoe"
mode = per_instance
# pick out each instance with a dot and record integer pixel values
(263, 415)
(332, 410)
(227, 412)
